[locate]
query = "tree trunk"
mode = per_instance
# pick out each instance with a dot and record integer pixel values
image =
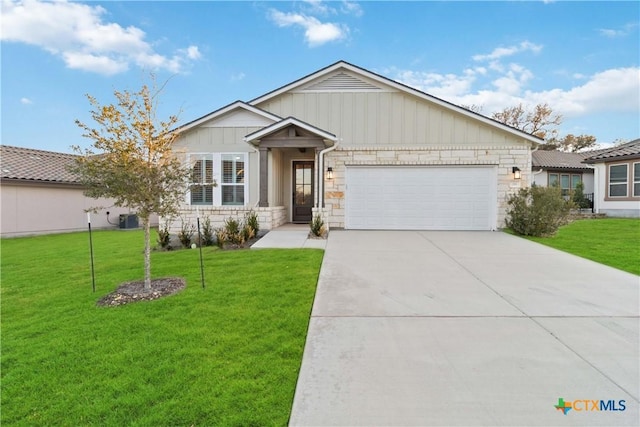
(147, 254)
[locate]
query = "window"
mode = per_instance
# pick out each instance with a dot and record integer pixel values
(232, 179)
(575, 180)
(201, 179)
(636, 180)
(567, 182)
(618, 180)
(218, 179)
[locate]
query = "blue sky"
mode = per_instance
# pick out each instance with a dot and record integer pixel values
(582, 58)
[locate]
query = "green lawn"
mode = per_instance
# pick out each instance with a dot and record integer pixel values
(226, 355)
(610, 241)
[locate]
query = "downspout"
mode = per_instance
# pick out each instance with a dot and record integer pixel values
(255, 150)
(320, 195)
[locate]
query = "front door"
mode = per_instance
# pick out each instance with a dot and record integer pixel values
(302, 191)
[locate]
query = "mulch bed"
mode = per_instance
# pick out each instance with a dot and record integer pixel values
(130, 292)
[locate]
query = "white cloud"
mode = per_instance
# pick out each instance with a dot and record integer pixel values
(316, 33)
(625, 30)
(351, 8)
(501, 52)
(77, 33)
(26, 101)
(238, 76)
(615, 89)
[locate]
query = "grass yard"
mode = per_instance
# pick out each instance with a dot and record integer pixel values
(226, 355)
(610, 241)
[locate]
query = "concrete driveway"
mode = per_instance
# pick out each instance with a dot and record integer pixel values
(467, 328)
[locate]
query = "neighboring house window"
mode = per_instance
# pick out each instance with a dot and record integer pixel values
(225, 170)
(201, 179)
(233, 179)
(618, 180)
(567, 182)
(636, 180)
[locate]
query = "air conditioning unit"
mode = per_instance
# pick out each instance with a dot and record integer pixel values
(128, 221)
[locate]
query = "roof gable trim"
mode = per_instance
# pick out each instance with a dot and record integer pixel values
(255, 136)
(227, 109)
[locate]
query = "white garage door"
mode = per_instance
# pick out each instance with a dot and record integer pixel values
(421, 198)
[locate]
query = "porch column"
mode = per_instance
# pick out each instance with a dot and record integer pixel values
(264, 177)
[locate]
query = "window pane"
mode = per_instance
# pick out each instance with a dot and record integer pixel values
(636, 189)
(233, 194)
(239, 171)
(617, 190)
(575, 179)
(227, 171)
(208, 178)
(636, 172)
(553, 179)
(196, 194)
(197, 171)
(564, 181)
(201, 194)
(618, 173)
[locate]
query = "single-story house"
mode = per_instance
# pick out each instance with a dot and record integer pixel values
(563, 169)
(617, 180)
(38, 195)
(359, 149)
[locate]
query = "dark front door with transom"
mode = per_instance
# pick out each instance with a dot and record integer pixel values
(302, 191)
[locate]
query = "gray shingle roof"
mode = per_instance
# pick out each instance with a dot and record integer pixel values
(36, 165)
(559, 160)
(629, 150)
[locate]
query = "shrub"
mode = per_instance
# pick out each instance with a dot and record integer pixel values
(207, 232)
(186, 234)
(221, 237)
(233, 229)
(164, 238)
(251, 219)
(317, 226)
(579, 198)
(537, 211)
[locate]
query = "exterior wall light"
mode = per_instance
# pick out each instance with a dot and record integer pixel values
(516, 172)
(329, 172)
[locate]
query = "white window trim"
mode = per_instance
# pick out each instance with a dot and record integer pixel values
(634, 179)
(609, 183)
(217, 177)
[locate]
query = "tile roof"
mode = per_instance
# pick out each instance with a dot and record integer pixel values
(628, 150)
(36, 165)
(559, 160)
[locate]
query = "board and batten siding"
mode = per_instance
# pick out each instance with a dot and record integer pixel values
(386, 118)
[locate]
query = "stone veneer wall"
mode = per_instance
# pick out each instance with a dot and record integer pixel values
(268, 217)
(502, 157)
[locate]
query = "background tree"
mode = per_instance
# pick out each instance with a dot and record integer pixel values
(570, 143)
(130, 159)
(540, 121)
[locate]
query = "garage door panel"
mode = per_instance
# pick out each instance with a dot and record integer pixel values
(424, 198)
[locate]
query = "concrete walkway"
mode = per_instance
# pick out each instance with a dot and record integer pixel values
(289, 236)
(466, 329)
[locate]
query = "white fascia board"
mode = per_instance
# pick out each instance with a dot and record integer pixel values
(287, 122)
(226, 109)
(398, 86)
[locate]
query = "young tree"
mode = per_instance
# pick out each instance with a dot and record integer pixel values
(130, 159)
(541, 121)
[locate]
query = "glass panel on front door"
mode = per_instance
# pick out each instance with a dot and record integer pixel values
(303, 191)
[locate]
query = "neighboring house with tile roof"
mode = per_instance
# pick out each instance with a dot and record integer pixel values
(617, 180)
(39, 195)
(565, 169)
